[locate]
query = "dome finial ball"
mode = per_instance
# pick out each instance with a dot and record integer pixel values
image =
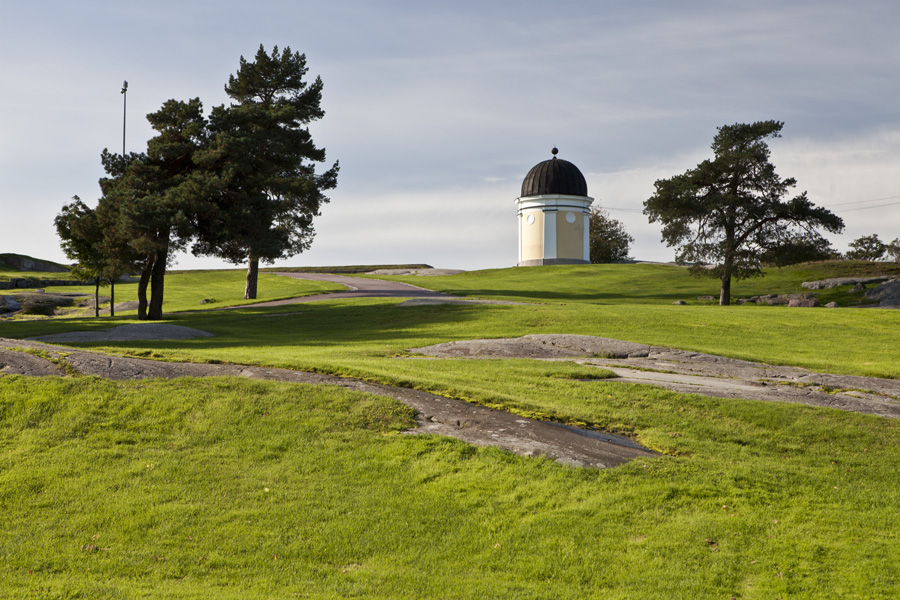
(555, 151)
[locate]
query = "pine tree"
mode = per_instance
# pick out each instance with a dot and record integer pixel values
(267, 191)
(728, 212)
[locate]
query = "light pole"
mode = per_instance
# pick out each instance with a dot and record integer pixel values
(124, 113)
(112, 281)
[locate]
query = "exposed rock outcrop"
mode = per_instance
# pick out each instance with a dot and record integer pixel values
(887, 294)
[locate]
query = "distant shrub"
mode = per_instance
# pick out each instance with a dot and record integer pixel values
(868, 247)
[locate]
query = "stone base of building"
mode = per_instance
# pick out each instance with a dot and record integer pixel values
(537, 262)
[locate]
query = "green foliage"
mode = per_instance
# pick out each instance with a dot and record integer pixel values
(893, 250)
(799, 249)
(728, 211)
(264, 159)
(81, 238)
(151, 200)
(609, 242)
(867, 247)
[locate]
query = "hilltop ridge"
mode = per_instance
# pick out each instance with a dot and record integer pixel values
(21, 262)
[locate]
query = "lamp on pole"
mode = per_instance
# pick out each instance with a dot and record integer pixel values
(124, 113)
(112, 281)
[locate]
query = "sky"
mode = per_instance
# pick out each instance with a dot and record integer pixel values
(437, 110)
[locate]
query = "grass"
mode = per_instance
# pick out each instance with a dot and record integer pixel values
(749, 500)
(6, 275)
(642, 283)
(184, 290)
(233, 489)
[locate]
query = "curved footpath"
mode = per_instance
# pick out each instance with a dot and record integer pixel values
(358, 287)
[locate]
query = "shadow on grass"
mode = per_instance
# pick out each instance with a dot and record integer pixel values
(346, 323)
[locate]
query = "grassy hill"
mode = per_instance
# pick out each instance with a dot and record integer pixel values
(18, 263)
(642, 283)
(236, 489)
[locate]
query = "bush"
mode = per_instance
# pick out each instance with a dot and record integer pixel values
(868, 247)
(608, 239)
(893, 251)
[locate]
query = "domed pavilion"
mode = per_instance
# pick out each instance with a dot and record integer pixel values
(554, 214)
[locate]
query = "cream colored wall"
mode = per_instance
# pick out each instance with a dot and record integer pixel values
(532, 235)
(570, 236)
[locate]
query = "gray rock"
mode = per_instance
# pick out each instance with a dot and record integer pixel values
(837, 281)
(859, 287)
(679, 303)
(887, 294)
(831, 305)
(803, 302)
(707, 298)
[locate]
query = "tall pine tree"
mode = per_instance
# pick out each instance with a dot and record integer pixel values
(266, 191)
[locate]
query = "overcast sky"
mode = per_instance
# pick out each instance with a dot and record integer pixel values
(437, 110)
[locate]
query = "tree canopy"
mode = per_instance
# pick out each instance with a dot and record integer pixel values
(240, 185)
(609, 242)
(867, 247)
(156, 196)
(263, 155)
(726, 214)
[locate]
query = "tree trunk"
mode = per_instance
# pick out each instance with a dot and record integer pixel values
(112, 297)
(157, 278)
(252, 275)
(142, 288)
(725, 294)
(96, 297)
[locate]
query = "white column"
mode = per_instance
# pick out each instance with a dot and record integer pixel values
(519, 220)
(550, 234)
(587, 237)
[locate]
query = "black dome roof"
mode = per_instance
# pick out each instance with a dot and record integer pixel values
(554, 176)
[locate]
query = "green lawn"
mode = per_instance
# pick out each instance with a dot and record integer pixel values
(748, 500)
(184, 290)
(643, 283)
(234, 489)
(6, 275)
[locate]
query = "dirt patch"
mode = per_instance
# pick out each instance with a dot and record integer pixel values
(691, 372)
(437, 415)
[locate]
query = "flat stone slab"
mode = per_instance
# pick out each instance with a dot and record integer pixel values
(538, 346)
(691, 372)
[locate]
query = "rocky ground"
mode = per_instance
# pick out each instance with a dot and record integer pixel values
(436, 415)
(677, 370)
(691, 372)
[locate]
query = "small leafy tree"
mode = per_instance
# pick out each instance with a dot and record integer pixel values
(867, 247)
(263, 156)
(84, 238)
(799, 249)
(81, 239)
(609, 242)
(893, 250)
(730, 210)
